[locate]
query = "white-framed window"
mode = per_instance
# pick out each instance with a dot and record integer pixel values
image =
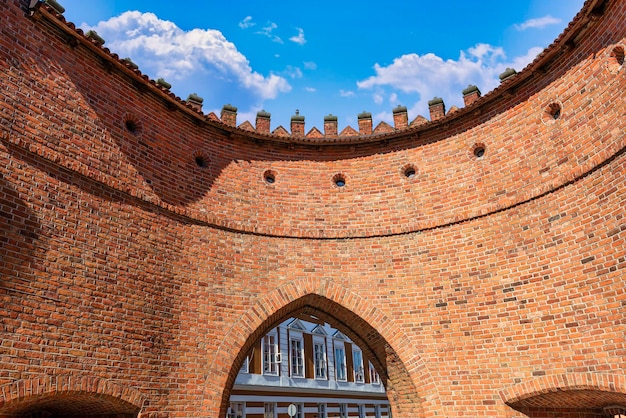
(374, 377)
(357, 363)
(269, 410)
(321, 410)
(236, 410)
(296, 351)
(377, 411)
(271, 355)
(361, 411)
(343, 410)
(340, 362)
(319, 357)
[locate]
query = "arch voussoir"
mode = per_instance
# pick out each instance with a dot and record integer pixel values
(27, 391)
(568, 382)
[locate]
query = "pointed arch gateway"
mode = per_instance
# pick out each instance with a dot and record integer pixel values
(410, 387)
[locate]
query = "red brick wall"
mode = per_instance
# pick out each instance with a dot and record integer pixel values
(123, 261)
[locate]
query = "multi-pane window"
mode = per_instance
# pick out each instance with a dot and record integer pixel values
(321, 410)
(343, 410)
(271, 357)
(357, 362)
(297, 357)
(299, 410)
(377, 411)
(374, 378)
(340, 363)
(269, 410)
(319, 352)
(236, 410)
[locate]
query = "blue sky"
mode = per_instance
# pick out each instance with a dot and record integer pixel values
(340, 57)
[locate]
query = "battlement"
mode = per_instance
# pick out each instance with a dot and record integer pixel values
(436, 106)
(475, 103)
(365, 128)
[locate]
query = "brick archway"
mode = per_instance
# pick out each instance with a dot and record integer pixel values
(86, 394)
(410, 386)
(570, 390)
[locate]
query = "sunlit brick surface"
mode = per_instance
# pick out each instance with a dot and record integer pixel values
(143, 251)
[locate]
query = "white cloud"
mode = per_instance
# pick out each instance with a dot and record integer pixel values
(293, 72)
(162, 49)
(522, 61)
(267, 31)
(537, 23)
(346, 93)
(310, 65)
(427, 76)
(310, 89)
(246, 23)
(393, 98)
(299, 38)
(486, 51)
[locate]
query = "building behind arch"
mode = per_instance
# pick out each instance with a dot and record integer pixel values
(313, 366)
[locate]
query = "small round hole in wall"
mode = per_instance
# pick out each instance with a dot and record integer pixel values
(479, 150)
(618, 55)
(132, 124)
(409, 172)
(554, 110)
(339, 180)
(552, 113)
(201, 159)
(616, 59)
(269, 177)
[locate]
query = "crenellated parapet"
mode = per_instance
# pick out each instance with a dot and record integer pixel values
(437, 108)
(474, 103)
(51, 9)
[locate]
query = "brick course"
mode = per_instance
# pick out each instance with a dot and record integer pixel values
(134, 279)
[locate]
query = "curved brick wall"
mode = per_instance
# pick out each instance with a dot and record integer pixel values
(134, 279)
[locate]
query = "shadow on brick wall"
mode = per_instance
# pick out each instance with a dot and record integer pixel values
(19, 240)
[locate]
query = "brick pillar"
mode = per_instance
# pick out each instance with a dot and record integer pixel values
(400, 117)
(263, 122)
(470, 94)
(297, 124)
(365, 123)
(229, 115)
(437, 108)
(330, 125)
(195, 101)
